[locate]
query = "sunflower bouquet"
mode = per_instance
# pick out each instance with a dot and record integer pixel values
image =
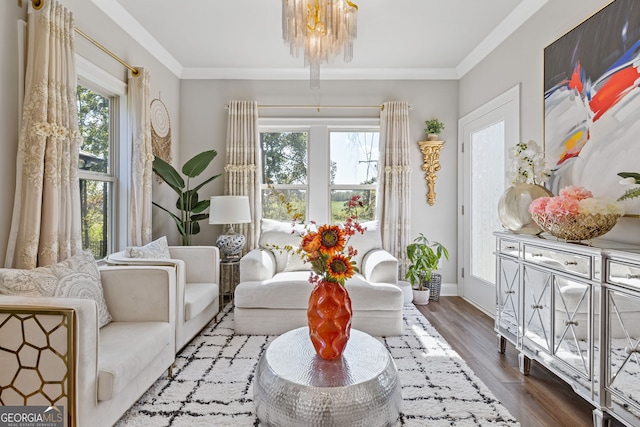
(327, 249)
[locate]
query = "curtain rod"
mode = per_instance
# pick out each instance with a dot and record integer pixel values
(38, 4)
(134, 70)
(318, 107)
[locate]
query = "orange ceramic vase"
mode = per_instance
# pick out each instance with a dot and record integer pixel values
(329, 316)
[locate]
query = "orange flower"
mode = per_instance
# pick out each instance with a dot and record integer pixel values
(339, 267)
(311, 242)
(332, 239)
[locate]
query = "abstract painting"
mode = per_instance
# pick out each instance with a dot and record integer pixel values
(592, 102)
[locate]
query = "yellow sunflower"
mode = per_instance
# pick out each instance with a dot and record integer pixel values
(339, 267)
(332, 239)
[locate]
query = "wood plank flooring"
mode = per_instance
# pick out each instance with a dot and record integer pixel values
(539, 399)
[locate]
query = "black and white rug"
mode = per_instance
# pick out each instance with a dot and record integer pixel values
(213, 382)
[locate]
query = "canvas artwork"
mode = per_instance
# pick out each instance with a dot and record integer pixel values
(592, 102)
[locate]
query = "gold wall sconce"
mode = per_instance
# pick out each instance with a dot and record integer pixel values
(431, 166)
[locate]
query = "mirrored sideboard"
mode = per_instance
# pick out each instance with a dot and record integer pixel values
(549, 299)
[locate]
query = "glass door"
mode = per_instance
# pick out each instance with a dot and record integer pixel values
(485, 134)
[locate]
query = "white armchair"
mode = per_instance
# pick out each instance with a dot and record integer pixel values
(52, 350)
(273, 293)
(197, 285)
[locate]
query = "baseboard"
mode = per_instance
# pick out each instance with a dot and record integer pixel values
(449, 290)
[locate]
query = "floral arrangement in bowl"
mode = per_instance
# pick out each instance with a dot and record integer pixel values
(575, 214)
(527, 164)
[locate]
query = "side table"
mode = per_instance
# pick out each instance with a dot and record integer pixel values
(294, 386)
(229, 279)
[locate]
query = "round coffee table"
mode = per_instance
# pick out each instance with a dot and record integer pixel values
(295, 387)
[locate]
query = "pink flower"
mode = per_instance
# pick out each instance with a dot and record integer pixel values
(578, 193)
(538, 205)
(562, 206)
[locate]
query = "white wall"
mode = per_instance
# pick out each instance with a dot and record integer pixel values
(204, 123)
(520, 60)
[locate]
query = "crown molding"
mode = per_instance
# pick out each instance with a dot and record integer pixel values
(131, 26)
(508, 26)
(325, 74)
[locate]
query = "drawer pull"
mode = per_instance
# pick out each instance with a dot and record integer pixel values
(633, 276)
(536, 254)
(571, 263)
(570, 322)
(510, 292)
(536, 306)
(509, 247)
(629, 350)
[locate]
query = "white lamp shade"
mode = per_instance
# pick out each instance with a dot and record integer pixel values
(229, 210)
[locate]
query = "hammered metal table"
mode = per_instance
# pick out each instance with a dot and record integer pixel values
(295, 387)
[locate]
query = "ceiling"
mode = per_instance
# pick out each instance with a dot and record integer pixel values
(397, 39)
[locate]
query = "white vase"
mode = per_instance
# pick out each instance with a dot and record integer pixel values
(421, 297)
(513, 207)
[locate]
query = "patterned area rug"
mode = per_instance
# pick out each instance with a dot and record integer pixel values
(213, 382)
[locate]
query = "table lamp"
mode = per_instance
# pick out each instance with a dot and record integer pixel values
(230, 210)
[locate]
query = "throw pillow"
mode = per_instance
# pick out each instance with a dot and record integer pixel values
(75, 277)
(363, 243)
(276, 233)
(158, 249)
(295, 262)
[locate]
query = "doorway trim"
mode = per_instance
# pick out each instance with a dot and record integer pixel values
(511, 95)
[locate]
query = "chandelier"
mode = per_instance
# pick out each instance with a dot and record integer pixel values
(320, 28)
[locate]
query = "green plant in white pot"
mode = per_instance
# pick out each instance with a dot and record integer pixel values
(433, 129)
(424, 258)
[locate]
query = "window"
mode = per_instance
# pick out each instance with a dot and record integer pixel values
(95, 114)
(316, 166)
(353, 171)
(284, 172)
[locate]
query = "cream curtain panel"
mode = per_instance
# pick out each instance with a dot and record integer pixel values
(45, 227)
(242, 162)
(140, 184)
(394, 207)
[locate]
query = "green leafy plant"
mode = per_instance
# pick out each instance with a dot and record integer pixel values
(188, 204)
(434, 126)
(630, 178)
(424, 258)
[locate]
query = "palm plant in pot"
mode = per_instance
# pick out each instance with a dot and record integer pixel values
(424, 258)
(188, 204)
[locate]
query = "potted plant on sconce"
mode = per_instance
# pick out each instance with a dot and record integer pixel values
(424, 258)
(433, 129)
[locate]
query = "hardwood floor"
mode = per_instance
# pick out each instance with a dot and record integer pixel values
(539, 399)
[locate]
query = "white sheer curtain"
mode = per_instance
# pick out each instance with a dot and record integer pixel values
(394, 208)
(242, 164)
(45, 227)
(141, 159)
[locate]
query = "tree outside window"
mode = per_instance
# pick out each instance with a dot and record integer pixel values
(94, 115)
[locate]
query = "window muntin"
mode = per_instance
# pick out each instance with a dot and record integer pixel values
(96, 115)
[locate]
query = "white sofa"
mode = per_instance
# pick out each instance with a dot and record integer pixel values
(109, 368)
(198, 291)
(273, 293)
